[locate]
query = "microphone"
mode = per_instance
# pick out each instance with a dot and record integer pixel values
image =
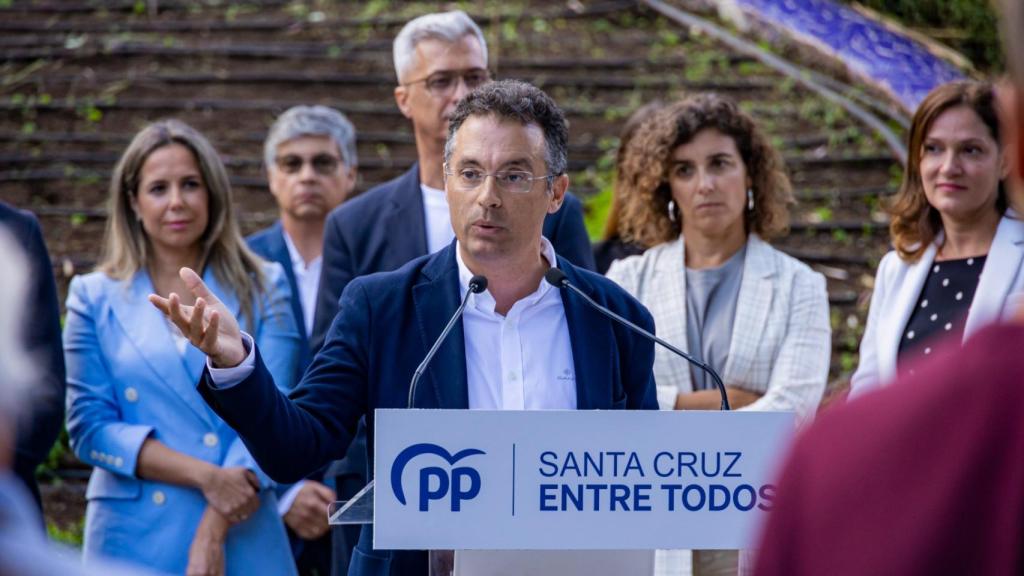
(557, 278)
(477, 284)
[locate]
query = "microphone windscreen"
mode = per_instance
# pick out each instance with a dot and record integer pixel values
(555, 277)
(477, 284)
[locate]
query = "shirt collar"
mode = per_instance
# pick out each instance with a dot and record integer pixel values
(484, 300)
(297, 262)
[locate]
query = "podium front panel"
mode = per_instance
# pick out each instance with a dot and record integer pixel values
(573, 480)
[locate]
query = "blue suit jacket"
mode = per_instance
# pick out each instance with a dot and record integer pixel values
(38, 431)
(269, 244)
(384, 228)
(386, 325)
(127, 382)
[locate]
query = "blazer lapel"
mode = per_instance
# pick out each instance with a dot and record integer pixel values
(150, 335)
(894, 320)
(436, 299)
(406, 228)
(997, 278)
(591, 343)
(279, 253)
(757, 289)
(667, 304)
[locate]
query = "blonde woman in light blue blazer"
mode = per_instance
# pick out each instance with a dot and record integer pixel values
(951, 213)
(173, 488)
(702, 186)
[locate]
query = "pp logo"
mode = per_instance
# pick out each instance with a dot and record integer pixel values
(435, 482)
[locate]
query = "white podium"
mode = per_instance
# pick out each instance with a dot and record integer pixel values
(503, 485)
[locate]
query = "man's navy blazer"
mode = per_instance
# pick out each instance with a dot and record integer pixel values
(386, 227)
(270, 245)
(38, 432)
(387, 323)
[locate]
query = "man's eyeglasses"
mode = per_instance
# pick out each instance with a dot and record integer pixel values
(323, 164)
(514, 181)
(443, 83)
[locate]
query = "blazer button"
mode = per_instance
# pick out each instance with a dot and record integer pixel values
(118, 461)
(159, 498)
(210, 439)
(94, 455)
(131, 394)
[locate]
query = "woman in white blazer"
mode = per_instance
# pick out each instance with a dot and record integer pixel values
(703, 187)
(173, 488)
(959, 256)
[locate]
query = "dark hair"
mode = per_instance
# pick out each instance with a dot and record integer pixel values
(915, 222)
(643, 173)
(515, 100)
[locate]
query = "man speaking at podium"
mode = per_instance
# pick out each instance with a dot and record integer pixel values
(522, 344)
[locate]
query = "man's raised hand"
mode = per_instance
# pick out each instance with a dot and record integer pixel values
(208, 325)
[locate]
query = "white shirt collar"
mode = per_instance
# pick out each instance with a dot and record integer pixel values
(484, 300)
(298, 263)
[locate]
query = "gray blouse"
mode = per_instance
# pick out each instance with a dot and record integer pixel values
(711, 296)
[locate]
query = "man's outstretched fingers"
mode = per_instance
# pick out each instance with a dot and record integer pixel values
(196, 325)
(196, 285)
(160, 302)
(210, 338)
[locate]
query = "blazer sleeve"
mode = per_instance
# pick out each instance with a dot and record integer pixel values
(800, 371)
(867, 374)
(570, 238)
(292, 437)
(43, 339)
(338, 270)
(98, 435)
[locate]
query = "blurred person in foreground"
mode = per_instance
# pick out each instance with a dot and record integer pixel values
(505, 170)
(173, 488)
(311, 161)
(925, 476)
(24, 549)
(40, 425)
(959, 247)
(703, 187)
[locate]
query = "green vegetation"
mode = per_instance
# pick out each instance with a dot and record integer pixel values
(969, 26)
(70, 535)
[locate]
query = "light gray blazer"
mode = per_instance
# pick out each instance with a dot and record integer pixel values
(898, 286)
(781, 338)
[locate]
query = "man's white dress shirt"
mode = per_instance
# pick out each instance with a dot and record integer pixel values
(307, 280)
(438, 219)
(523, 360)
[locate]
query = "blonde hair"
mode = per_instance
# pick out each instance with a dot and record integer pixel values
(642, 180)
(126, 246)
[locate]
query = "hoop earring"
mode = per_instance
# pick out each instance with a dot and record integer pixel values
(672, 210)
(750, 199)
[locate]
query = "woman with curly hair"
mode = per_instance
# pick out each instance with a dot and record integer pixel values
(704, 190)
(959, 248)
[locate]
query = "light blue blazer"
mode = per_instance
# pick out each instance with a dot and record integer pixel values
(128, 382)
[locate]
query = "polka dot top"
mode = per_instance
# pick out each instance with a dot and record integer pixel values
(941, 310)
